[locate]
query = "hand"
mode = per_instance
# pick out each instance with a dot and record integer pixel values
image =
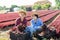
(41, 34)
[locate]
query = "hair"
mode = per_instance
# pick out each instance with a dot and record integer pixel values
(22, 12)
(36, 15)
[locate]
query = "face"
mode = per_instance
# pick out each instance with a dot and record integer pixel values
(22, 15)
(34, 17)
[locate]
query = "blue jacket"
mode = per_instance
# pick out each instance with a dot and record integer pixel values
(36, 24)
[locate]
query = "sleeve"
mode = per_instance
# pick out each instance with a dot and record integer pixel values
(31, 22)
(40, 22)
(17, 22)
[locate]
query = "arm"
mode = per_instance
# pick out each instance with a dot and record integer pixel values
(17, 22)
(40, 22)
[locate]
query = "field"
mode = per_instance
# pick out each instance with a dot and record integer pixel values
(4, 33)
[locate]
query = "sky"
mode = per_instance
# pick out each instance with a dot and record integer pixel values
(53, 2)
(8, 3)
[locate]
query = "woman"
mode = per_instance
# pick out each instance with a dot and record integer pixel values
(21, 20)
(36, 24)
(20, 25)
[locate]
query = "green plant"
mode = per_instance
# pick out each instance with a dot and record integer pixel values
(36, 6)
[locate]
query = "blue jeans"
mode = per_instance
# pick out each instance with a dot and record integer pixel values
(31, 30)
